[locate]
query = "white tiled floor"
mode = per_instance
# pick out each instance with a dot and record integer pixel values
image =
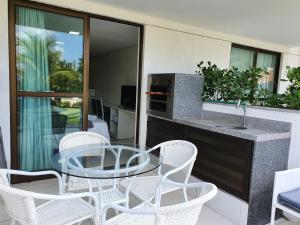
(207, 216)
(284, 222)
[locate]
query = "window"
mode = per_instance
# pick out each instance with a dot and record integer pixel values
(243, 58)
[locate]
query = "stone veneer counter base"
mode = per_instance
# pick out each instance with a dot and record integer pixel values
(270, 152)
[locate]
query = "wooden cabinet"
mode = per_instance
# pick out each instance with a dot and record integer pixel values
(223, 160)
(122, 123)
(160, 130)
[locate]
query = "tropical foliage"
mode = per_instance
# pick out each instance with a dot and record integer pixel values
(291, 98)
(63, 76)
(229, 85)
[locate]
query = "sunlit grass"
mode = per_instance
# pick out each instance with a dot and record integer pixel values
(73, 115)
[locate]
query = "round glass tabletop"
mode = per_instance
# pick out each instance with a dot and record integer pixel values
(105, 161)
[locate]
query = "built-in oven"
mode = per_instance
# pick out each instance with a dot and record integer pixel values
(160, 92)
(175, 95)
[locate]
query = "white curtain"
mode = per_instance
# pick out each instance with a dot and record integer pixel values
(241, 58)
(269, 62)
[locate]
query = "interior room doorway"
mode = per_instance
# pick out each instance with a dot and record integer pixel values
(113, 80)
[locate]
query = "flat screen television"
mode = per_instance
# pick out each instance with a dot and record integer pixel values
(128, 97)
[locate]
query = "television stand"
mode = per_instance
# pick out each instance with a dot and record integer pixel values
(122, 123)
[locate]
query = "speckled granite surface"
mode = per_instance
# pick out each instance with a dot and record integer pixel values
(268, 157)
(187, 91)
(258, 129)
(270, 154)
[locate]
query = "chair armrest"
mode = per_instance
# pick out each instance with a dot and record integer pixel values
(135, 157)
(154, 148)
(69, 197)
(49, 197)
(141, 210)
(39, 173)
(285, 181)
(182, 185)
(178, 169)
(64, 197)
(166, 175)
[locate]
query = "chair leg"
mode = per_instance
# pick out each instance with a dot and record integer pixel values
(97, 221)
(273, 215)
(64, 180)
(185, 194)
(126, 205)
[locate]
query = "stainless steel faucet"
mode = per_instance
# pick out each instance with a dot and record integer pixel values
(240, 105)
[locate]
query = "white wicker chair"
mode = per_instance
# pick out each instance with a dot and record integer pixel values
(177, 154)
(58, 210)
(77, 139)
(286, 180)
(108, 189)
(186, 213)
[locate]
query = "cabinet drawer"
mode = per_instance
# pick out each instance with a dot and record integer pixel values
(223, 160)
(159, 130)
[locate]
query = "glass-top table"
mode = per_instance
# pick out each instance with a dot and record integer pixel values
(105, 161)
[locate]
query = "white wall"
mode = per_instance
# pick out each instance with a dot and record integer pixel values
(4, 79)
(93, 6)
(169, 51)
(112, 70)
(291, 116)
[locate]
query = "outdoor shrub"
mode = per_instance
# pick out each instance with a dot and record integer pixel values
(231, 85)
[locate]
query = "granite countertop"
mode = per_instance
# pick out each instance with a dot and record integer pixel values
(258, 129)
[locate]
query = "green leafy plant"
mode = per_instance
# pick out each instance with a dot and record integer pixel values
(213, 86)
(292, 95)
(291, 98)
(230, 84)
(274, 100)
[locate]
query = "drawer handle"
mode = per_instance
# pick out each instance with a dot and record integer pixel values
(156, 93)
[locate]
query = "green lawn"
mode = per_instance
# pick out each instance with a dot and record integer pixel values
(73, 115)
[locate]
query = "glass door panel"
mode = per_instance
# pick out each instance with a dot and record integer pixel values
(43, 121)
(49, 49)
(49, 62)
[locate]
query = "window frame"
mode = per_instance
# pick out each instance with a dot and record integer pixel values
(254, 64)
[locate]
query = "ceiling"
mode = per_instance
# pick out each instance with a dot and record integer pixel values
(106, 36)
(276, 21)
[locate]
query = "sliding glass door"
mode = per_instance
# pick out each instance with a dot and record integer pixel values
(49, 83)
